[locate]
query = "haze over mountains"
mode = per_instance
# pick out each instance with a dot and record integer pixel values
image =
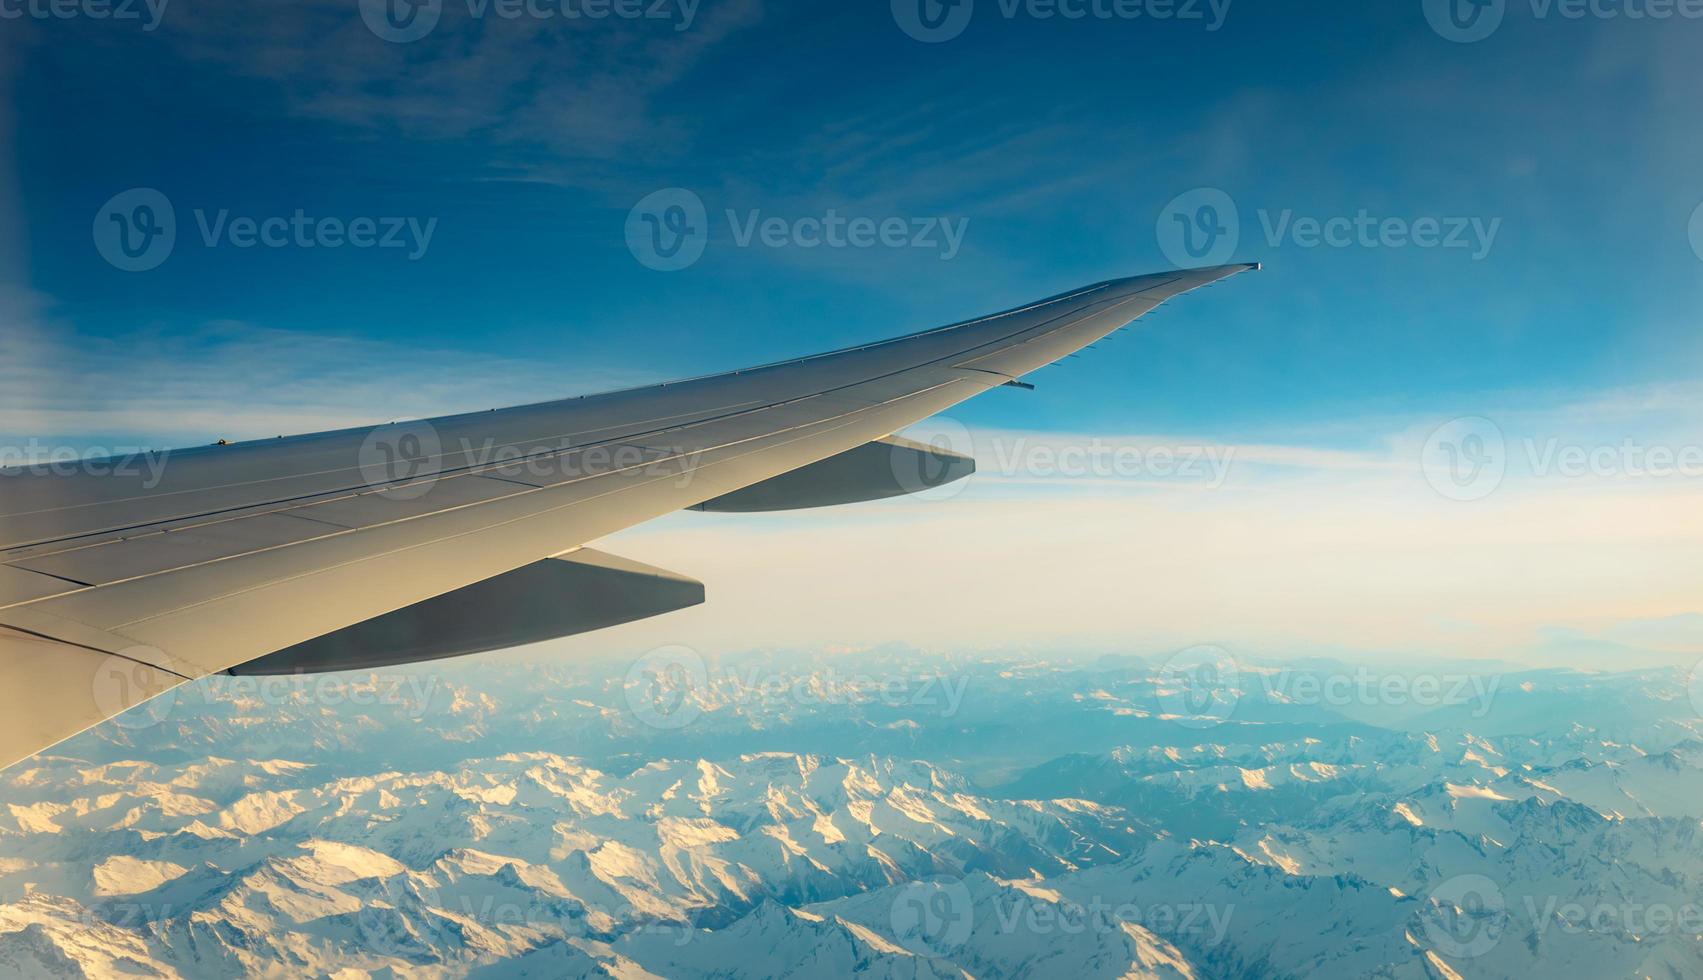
(884, 813)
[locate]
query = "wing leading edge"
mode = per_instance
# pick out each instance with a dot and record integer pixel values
(188, 563)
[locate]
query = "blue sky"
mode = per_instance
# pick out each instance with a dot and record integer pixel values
(1057, 141)
(1057, 145)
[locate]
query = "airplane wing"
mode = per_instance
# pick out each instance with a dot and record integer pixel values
(415, 540)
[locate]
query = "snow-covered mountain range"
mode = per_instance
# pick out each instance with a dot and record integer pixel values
(878, 814)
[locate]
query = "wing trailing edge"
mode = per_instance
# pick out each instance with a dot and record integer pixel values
(546, 600)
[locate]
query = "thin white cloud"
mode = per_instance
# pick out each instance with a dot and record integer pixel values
(581, 88)
(1302, 549)
(240, 381)
(1377, 566)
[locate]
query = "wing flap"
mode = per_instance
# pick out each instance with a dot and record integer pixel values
(19, 585)
(889, 467)
(562, 596)
(162, 551)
